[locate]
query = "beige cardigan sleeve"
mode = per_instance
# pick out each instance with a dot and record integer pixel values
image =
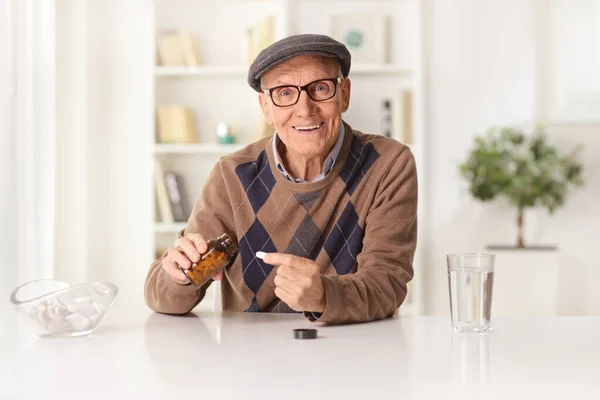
(211, 216)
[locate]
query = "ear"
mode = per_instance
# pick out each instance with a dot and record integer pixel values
(346, 84)
(262, 100)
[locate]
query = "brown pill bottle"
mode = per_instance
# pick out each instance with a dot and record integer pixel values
(220, 252)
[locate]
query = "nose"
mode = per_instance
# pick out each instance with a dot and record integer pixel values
(305, 105)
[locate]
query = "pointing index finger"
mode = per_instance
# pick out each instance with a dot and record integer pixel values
(281, 259)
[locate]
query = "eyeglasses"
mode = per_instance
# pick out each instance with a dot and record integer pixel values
(319, 90)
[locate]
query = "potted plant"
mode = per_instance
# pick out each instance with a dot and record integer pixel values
(528, 170)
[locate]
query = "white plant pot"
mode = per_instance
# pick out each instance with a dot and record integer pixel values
(525, 281)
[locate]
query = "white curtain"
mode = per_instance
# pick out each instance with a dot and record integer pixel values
(27, 140)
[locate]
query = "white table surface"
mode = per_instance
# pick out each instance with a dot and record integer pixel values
(254, 356)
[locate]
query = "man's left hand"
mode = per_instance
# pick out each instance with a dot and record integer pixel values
(298, 281)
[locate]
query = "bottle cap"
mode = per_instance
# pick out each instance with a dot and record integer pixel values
(229, 244)
(305, 333)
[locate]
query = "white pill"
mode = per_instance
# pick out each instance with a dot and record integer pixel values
(83, 299)
(78, 321)
(85, 309)
(260, 254)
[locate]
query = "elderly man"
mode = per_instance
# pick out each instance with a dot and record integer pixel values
(325, 215)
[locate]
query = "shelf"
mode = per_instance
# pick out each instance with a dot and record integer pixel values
(242, 70)
(571, 122)
(379, 69)
(161, 227)
(198, 148)
(202, 71)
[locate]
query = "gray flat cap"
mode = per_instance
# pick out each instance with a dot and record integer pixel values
(292, 46)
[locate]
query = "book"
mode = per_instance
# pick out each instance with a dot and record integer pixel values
(177, 48)
(402, 121)
(266, 30)
(179, 209)
(162, 124)
(170, 49)
(162, 196)
(257, 38)
(175, 124)
(247, 49)
(190, 51)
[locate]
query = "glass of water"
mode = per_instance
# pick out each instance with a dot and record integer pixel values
(470, 281)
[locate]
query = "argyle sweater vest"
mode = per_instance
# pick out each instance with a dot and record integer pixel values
(358, 224)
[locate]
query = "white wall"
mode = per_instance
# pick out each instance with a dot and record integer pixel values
(481, 72)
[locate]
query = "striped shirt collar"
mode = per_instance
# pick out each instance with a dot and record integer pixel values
(327, 164)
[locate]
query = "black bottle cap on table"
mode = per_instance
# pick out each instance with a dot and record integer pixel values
(305, 333)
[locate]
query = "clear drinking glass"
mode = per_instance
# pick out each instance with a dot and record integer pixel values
(470, 282)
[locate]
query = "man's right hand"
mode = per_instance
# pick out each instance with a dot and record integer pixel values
(185, 252)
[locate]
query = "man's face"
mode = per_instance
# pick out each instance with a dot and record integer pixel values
(308, 128)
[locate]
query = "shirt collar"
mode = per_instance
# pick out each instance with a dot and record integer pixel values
(327, 164)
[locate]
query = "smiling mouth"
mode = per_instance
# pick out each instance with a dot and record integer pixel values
(308, 128)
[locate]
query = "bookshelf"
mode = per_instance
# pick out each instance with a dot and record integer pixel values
(202, 71)
(216, 91)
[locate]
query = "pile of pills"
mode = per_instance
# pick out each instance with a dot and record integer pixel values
(55, 316)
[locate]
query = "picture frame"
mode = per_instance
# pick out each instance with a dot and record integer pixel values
(365, 35)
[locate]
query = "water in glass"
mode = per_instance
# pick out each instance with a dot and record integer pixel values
(470, 298)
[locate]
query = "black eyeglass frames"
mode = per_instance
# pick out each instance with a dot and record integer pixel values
(319, 90)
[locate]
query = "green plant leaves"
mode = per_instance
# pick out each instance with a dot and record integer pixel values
(529, 170)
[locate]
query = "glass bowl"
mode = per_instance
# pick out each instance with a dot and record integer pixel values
(56, 309)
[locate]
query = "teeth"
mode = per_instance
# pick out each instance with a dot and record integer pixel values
(306, 128)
